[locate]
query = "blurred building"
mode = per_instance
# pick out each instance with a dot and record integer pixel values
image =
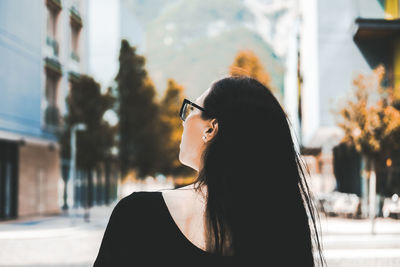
(335, 41)
(42, 50)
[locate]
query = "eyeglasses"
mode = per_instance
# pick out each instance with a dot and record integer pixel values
(187, 107)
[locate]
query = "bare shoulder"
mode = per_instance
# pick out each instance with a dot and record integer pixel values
(177, 197)
(185, 201)
(186, 194)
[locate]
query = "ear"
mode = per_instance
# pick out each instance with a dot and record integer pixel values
(211, 129)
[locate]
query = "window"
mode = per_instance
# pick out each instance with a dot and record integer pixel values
(75, 32)
(51, 116)
(53, 10)
(76, 25)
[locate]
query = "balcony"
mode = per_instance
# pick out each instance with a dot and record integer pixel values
(375, 39)
(75, 17)
(54, 5)
(376, 29)
(73, 76)
(75, 56)
(53, 66)
(53, 45)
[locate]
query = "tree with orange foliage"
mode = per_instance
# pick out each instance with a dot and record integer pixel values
(371, 123)
(247, 63)
(370, 120)
(171, 130)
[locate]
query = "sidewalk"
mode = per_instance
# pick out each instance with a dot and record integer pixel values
(73, 220)
(56, 225)
(343, 226)
(349, 242)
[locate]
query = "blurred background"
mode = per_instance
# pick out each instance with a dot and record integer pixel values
(91, 91)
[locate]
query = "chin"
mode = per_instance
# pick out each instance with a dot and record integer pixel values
(180, 156)
(187, 163)
(183, 161)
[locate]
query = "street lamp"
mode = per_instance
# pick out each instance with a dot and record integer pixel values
(75, 127)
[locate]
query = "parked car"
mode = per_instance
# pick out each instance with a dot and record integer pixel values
(391, 207)
(339, 204)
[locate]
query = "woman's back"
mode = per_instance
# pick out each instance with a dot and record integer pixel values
(142, 232)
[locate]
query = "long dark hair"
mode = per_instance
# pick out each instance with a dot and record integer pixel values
(258, 202)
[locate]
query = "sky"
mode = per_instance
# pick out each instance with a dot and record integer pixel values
(104, 36)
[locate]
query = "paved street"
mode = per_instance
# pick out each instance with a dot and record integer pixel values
(349, 242)
(61, 241)
(53, 241)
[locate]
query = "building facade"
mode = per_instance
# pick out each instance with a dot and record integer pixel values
(42, 50)
(336, 41)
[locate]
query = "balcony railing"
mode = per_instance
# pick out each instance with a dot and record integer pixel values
(53, 44)
(73, 76)
(76, 20)
(75, 56)
(55, 5)
(53, 65)
(52, 118)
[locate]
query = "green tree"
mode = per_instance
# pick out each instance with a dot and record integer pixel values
(86, 104)
(171, 130)
(138, 114)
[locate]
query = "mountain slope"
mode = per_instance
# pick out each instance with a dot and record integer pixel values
(196, 41)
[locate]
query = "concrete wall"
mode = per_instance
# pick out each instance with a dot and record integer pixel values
(39, 173)
(21, 66)
(330, 59)
(339, 58)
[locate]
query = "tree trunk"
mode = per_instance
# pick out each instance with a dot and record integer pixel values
(107, 173)
(370, 175)
(372, 196)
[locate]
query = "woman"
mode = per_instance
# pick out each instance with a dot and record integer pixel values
(250, 204)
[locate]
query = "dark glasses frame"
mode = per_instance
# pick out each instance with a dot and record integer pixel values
(188, 102)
